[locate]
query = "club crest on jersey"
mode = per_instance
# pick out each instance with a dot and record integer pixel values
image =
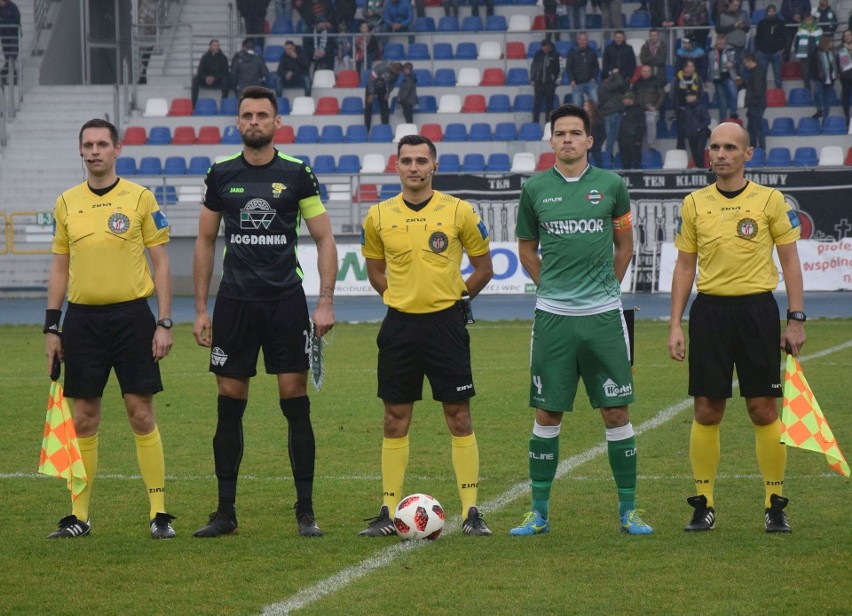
(277, 189)
(594, 197)
(257, 213)
(747, 228)
(438, 241)
(118, 223)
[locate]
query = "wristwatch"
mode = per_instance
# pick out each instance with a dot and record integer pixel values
(167, 323)
(796, 315)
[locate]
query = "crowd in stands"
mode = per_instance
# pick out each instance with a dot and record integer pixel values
(719, 48)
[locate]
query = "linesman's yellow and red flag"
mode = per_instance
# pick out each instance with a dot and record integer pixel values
(804, 424)
(60, 453)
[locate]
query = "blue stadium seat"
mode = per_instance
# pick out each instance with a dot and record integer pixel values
(639, 19)
(365, 78)
(662, 128)
(563, 22)
(834, 125)
(417, 51)
(175, 165)
(499, 103)
(449, 163)
(352, 105)
(427, 104)
(355, 133)
(518, 76)
(159, 135)
(125, 165)
(388, 191)
(805, 157)
(533, 47)
(331, 133)
(349, 163)
(231, 136)
(380, 133)
(393, 52)
(304, 158)
(444, 77)
(442, 51)
(498, 161)
(229, 106)
(808, 127)
(594, 21)
(473, 163)
(758, 159)
(800, 97)
(471, 23)
(282, 25)
(781, 127)
(757, 15)
(205, 107)
(779, 157)
(530, 131)
(165, 195)
(651, 159)
(563, 47)
(323, 192)
(455, 131)
(198, 165)
(424, 24)
(307, 133)
(505, 131)
(466, 51)
(273, 53)
(324, 163)
(283, 105)
(496, 23)
(523, 103)
(479, 131)
(448, 23)
(423, 76)
(150, 165)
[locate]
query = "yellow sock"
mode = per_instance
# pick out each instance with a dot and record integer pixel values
(771, 457)
(466, 466)
(89, 453)
(704, 454)
(394, 465)
(152, 465)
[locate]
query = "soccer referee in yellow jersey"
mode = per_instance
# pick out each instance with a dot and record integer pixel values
(413, 246)
(102, 229)
(728, 230)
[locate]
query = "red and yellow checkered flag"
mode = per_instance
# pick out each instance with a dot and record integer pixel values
(804, 424)
(60, 453)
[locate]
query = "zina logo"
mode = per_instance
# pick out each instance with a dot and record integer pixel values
(611, 390)
(256, 214)
(218, 357)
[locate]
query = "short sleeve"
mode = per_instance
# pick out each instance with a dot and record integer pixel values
(527, 225)
(155, 225)
(784, 224)
(310, 203)
(212, 201)
(371, 241)
(685, 235)
(474, 233)
(60, 229)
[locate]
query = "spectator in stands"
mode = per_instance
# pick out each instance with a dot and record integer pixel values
(253, 13)
(610, 95)
(318, 12)
(665, 13)
(419, 8)
(294, 69)
(398, 17)
(474, 7)
(213, 71)
(551, 19)
(451, 8)
(650, 96)
(844, 67)
(611, 18)
(372, 14)
(824, 74)
(407, 95)
(630, 133)
(695, 19)
(685, 82)
(618, 54)
(689, 52)
(598, 132)
(825, 17)
(10, 32)
(696, 126)
(379, 86)
(655, 53)
(582, 66)
(344, 13)
(794, 12)
(147, 33)
(544, 77)
(344, 59)
(735, 23)
(367, 48)
(283, 9)
(247, 68)
(576, 11)
(755, 99)
(805, 45)
(724, 75)
(321, 46)
(769, 43)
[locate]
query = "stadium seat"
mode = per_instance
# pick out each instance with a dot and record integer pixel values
(432, 131)
(205, 107)
(403, 129)
(800, 97)
(229, 106)
(327, 105)
(474, 103)
(807, 127)
(449, 163)
(449, 103)
(848, 160)
(466, 51)
(380, 133)
(519, 23)
(367, 193)
(365, 78)
(490, 50)
(180, 107)
(126, 165)
(639, 20)
(471, 23)
(352, 105)
(442, 51)
(779, 157)
(781, 127)
(495, 23)
(515, 50)
(539, 23)
(175, 165)
(545, 161)
(282, 25)
(272, 53)
(156, 108)
(189, 194)
(473, 163)
(373, 163)
(331, 133)
(150, 165)
(134, 135)
(183, 135)
(417, 51)
(198, 165)
(444, 78)
(523, 162)
(165, 195)
(284, 134)
(307, 133)
(323, 163)
(676, 159)
(834, 125)
(393, 52)
(498, 162)
(493, 77)
(303, 106)
(757, 15)
(594, 21)
(159, 135)
(355, 133)
(479, 131)
(518, 76)
(775, 97)
(389, 191)
(651, 159)
(499, 103)
(791, 71)
(829, 156)
(523, 103)
(424, 24)
(423, 77)
(758, 159)
(210, 135)
(283, 105)
(530, 131)
(427, 104)
(347, 79)
(323, 78)
(505, 131)
(390, 167)
(469, 76)
(455, 131)
(805, 157)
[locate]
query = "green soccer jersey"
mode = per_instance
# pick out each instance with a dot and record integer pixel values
(574, 223)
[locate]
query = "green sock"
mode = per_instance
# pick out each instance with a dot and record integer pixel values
(622, 461)
(544, 458)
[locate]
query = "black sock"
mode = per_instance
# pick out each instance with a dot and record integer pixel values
(228, 449)
(302, 449)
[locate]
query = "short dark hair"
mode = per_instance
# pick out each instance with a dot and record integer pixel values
(100, 123)
(258, 92)
(213, 40)
(621, 32)
(571, 111)
(417, 140)
(248, 42)
(750, 57)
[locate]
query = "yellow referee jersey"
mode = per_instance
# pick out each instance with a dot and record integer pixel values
(734, 238)
(106, 238)
(423, 249)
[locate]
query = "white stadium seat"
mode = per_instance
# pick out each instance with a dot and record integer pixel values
(676, 159)
(303, 106)
(373, 163)
(323, 78)
(404, 129)
(520, 23)
(831, 156)
(523, 162)
(449, 103)
(469, 76)
(156, 108)
(490, 50)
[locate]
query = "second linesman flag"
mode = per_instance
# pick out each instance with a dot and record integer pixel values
(60, 453)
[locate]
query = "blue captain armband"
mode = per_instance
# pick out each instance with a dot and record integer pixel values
(483, 230)
(160, 220)
(794, 219)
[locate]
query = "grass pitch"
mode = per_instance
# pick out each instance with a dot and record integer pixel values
(584, 566)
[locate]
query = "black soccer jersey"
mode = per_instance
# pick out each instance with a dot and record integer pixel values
(262, 207)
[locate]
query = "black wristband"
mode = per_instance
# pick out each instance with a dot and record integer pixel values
(52, 317)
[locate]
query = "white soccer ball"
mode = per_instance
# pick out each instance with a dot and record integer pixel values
(419, 516)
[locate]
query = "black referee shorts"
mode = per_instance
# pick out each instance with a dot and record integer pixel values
(734, 331)
(96, 339)
(435, 345)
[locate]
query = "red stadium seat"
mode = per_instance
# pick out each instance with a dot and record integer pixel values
(545, 161)
(181, 107)
(432, 131)
(134, 135)
(327, 105)
(209, 135)
(493, 77)
(539, 23)
(848, 161)
(284, 134)
(367, 193)
(391, 166)
(775, 97)
(791, 70)
(347, 79)
(515, 50)
(184, 135)
(474, 103)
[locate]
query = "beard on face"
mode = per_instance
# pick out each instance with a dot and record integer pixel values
(256, 139)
